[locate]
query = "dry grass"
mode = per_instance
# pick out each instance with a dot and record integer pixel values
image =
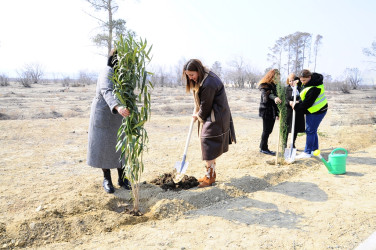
(52, 199)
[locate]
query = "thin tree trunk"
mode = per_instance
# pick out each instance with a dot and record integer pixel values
(110, 27)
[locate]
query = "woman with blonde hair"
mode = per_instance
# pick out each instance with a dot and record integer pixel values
(291, 81)
(268, 109)
(213, 113)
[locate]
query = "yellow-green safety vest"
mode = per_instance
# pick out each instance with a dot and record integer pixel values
(320, 101)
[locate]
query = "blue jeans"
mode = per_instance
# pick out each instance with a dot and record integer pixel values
(312, 124)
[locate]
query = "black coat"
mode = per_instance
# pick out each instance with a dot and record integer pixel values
(299, 115)
(311, 95)
(268, 109)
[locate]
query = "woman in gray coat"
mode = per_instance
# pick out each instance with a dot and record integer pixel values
(213, 113)
(105, 119)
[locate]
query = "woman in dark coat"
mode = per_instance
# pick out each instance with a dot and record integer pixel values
(214, 115)
(268, 109)
(105, 119)
(315, 105)
(299, 115)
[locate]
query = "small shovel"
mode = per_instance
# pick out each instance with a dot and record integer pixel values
(290, 153)
(181, 166)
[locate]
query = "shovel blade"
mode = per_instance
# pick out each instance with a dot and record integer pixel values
(290, 154)
(181, 167)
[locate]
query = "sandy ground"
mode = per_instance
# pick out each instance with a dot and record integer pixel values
(50, 198)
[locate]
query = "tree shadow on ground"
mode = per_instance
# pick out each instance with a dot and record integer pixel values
(251, 212)
(369, 161)
(301, 190)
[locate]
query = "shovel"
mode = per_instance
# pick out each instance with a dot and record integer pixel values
(181, 166)
(290, 153)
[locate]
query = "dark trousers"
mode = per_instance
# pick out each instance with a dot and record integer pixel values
(287, 143)
(267, 129)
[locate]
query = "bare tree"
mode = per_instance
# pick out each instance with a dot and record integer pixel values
(85, 78)
(294, 48)
(353, 77)
(179, 71)
(36, 72)
(371, 52)
(275, 57)
(24, 78)
(288, 48)
(161, 77)
(217, 69)
(237, 73)
(316, 49)
(240, 73)
(306, 43)
(4, 80)
(31, 73)
(299, 43)
(112, 28)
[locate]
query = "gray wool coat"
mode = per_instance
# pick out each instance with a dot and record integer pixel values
(104, 124)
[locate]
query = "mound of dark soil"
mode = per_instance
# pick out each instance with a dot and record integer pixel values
(166, 182)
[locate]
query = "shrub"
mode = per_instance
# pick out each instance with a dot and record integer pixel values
(4, 80)
(25, 79)
(66, 81)
(85, 79)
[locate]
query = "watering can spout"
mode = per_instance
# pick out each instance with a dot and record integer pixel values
(327, 164)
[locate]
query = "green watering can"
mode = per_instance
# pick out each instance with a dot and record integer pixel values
(336, 163)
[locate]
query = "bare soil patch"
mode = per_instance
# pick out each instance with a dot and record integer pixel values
(50, 198)
(166, 182)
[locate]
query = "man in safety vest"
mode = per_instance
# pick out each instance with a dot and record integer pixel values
(315, 105)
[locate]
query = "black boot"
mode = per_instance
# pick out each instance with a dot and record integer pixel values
(123, 181)
(107, 182)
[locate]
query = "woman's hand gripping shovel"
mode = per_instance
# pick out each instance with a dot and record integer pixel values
(290, 153)
(181, 166)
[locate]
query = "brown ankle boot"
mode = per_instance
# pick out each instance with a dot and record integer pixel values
(203, 178)
(209, 178)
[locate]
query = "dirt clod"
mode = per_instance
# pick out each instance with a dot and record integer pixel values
(166, 182)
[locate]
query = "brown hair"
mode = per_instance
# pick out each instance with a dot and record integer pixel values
(269, 77)
(305, 73)
(193, 65)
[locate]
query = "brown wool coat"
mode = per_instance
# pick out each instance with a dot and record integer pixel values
(214, 115)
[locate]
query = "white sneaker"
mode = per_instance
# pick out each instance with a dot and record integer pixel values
(303, 155)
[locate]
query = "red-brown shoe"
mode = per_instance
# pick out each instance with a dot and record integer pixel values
(209, 178)
(203, 178)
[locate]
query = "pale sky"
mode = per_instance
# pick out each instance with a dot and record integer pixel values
(56, 34)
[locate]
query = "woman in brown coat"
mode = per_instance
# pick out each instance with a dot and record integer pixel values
(213, 113)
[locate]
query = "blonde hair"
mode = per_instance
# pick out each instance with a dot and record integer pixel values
(291, 76)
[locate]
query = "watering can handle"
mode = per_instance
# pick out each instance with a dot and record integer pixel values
(339, 149)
